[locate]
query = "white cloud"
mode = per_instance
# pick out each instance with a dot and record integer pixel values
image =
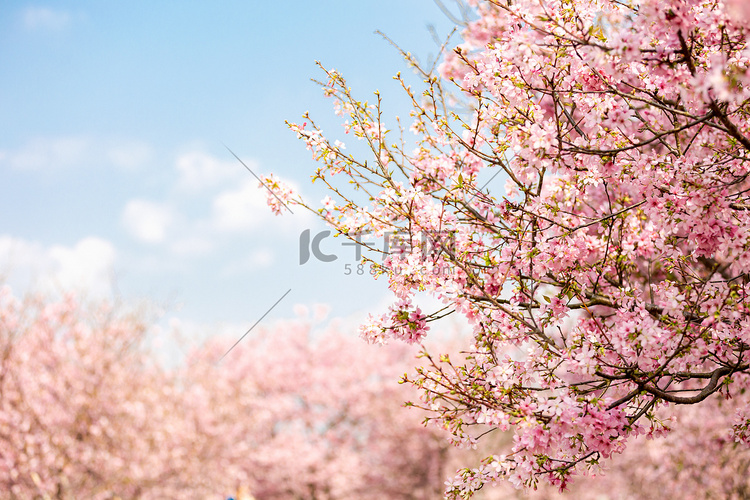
(128, 154)
(147, 221)
(260, 258)
(21, 260)
(87, 266)
(43, 18)
(235, 208)
(257, 259)
(242, 209)
(48, 153)
(198, 171)
(65, 152)
(192, 245)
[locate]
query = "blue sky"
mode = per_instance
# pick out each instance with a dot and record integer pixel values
(112, 120)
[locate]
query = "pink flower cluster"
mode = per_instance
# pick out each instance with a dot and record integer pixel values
(278, 194)
(296, 410)
(609, 280)
(402, 322)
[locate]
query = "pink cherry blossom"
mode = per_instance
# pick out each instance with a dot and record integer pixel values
(296, 410)
(607, 282)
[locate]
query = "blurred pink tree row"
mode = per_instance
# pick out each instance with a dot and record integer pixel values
(87, 412)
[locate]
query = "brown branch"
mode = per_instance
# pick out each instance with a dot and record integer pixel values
(710, 388)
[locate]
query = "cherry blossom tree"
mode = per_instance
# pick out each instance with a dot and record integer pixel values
(315, 414)
(607, 283)
(699, 459)
(84, 411)
(293, 411)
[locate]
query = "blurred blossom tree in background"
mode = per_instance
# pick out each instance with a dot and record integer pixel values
(604, 270)
(87, 412)
(314, 416)
(293, 412)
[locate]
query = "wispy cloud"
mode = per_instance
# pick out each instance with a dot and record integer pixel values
(45, 18)
(147, 221)
(241, 209)
(87, 266)
(198, 171)
(191, 245)
(127, 154)
(236, 206)
(80, 151)
(256, 259)
(48, 152)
